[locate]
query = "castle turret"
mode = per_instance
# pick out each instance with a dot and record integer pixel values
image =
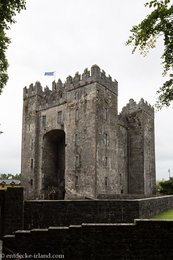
(30, 163)
(139, 119)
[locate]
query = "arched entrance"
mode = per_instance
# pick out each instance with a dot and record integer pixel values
(53, 164)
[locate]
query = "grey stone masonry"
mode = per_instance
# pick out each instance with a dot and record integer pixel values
(76, 146)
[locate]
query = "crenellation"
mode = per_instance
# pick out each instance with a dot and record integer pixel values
(69, 80)
(85, 75)
(30, 90)
(132, 107)
(95, 71)
(103, 75)
(54, 86)
(59, 84)
(109, 78)
(145, 106)
(25, 92)
(76, 79)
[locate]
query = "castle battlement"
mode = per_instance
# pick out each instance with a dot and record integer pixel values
(33, 90)
(71, 83)
(91, 76)
(132, 107)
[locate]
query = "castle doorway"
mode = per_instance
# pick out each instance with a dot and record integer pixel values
(53, 165)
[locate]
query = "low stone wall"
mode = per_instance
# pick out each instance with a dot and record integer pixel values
(149, 207)
(42, 214)
(145, 239)
(11, 210)
(120, 196)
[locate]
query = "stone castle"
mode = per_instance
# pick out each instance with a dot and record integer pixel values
(76, 145)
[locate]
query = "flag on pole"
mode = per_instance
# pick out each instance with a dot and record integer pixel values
(50, 73)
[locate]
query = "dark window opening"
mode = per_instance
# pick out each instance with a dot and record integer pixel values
(77, 114)
(76, 181)
(43, 121)
(77, 160)
(106, 139)
(60, 117)
(120, 179)
(106, 161)
(106, 114)
(76, 137)
(77, 95)
(32, 163)
(32, 144)
(106, 181)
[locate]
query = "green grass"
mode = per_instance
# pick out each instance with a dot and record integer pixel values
(168, 214)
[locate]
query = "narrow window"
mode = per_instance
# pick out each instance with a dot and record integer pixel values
(76, 137)
(43, 121)
(120, 179)
(76, 181)
(77, 114)
(77, 95)
(32, 163)
(106, 161)
(60, 117)
(31, 182)
(106, 181)
(106, 139)
(106, 114)
(32, 144)
(77, 160)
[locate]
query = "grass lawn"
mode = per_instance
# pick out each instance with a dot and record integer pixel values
(168, 214)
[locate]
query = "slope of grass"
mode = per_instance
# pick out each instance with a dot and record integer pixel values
(168, 214)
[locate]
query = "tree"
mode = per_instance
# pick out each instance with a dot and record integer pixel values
(159, 23)
(6, 176)
(166, 187)
(8, 9)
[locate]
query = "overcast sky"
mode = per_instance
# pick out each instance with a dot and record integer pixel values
(67, 36)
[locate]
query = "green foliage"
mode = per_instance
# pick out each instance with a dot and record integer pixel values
(166, 187)
(8, 9)
(159, 23)
(5, 176)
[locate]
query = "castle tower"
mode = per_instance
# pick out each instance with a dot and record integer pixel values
(140, 149)
(69, 138)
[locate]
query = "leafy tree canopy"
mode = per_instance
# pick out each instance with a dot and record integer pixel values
(6, 176)
(159, 23)
(166, 187)
(8, 9)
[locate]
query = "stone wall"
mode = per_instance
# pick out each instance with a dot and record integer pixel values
(149, 207)
(11, 210)
(42, 214)
(144, 239)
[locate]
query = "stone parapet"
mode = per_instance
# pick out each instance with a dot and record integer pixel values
(71, 83)
(132, 107)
